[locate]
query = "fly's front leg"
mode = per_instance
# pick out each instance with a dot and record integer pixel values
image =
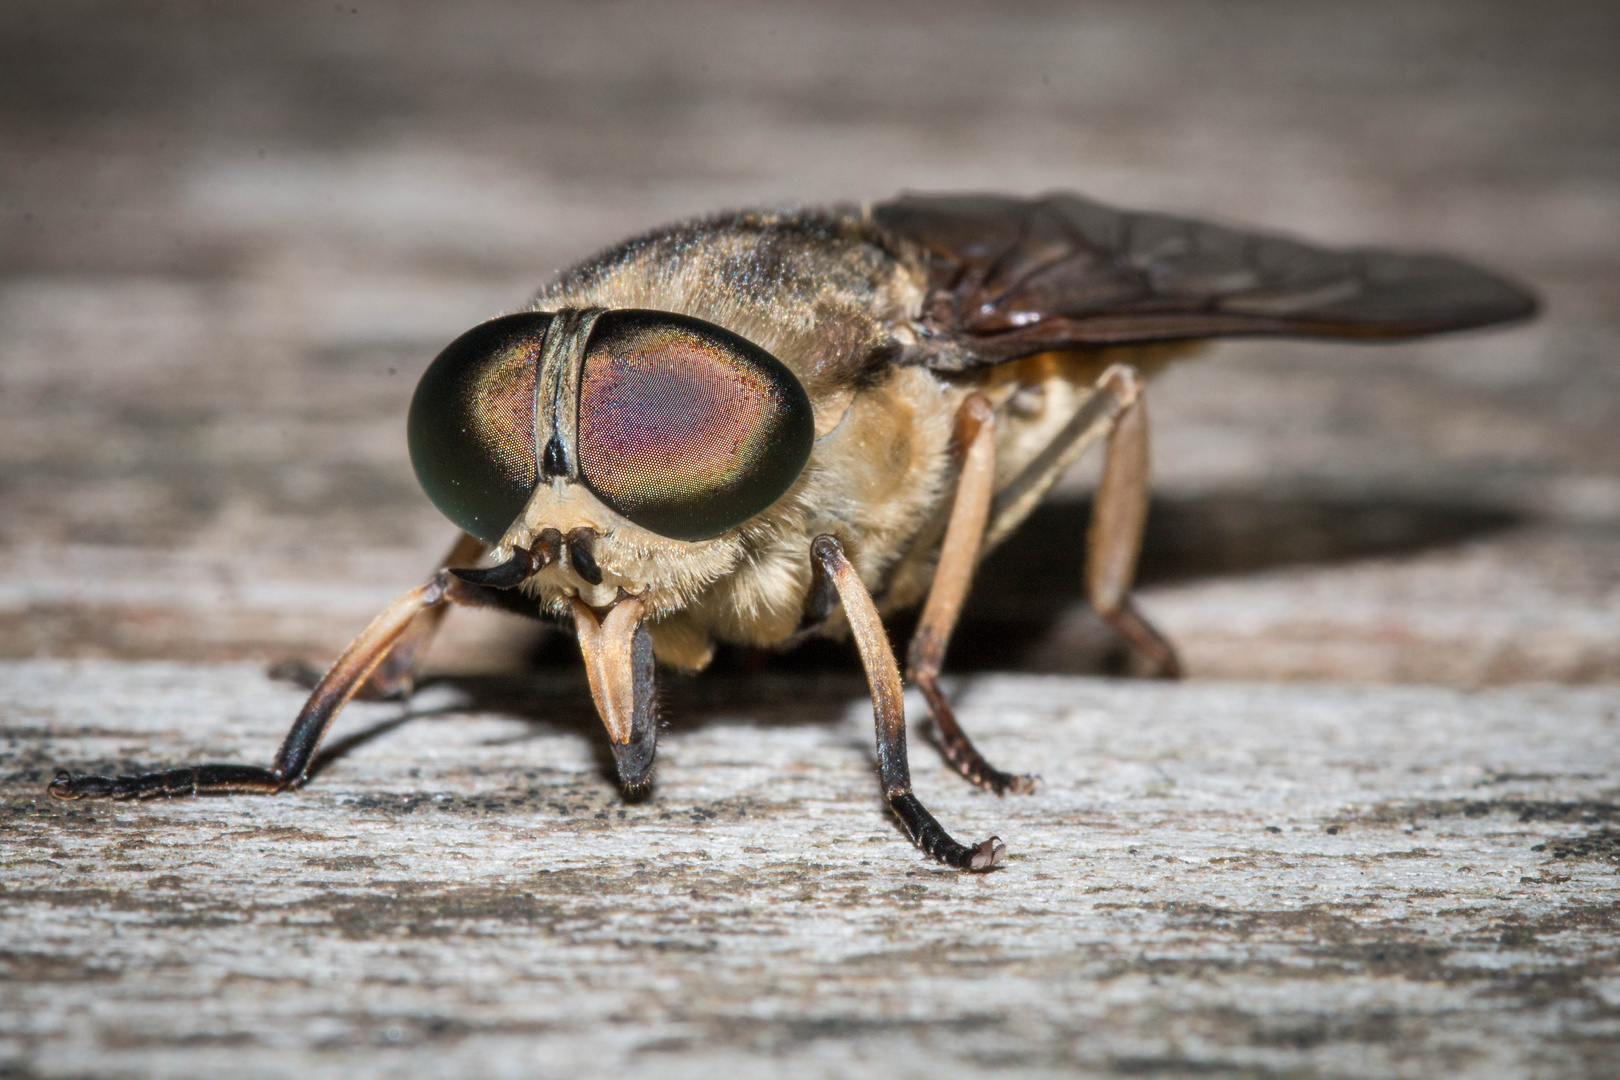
(889, 713)
(958, 555)
(345, 678)
(1118, 514)
(395, 676)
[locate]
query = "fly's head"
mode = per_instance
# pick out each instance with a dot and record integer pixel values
(612, 458)
(629, 444)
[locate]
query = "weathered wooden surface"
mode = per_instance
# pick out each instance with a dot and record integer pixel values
(230, 239)
(1227, 880)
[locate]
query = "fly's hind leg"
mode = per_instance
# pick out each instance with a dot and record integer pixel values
(357, 664)
(958, 555)
(1118, 514)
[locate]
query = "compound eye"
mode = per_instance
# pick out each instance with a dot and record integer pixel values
(471, 428)
(686, 428)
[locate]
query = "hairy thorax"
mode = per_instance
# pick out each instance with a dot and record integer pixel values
(838, 306)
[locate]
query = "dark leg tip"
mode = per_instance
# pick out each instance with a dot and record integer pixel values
(1144, 638)
(997, 782)
(988, 855)
(298, 672)
(399, 688)
(927, 833)
(962, 754)
(1024, 784)
(66, 785)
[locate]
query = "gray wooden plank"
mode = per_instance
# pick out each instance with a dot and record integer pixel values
(1222, 879)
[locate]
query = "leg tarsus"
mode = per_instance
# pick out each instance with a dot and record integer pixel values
(960, 751)
(927, 833)
(292, 760)
(168, 783)
(889, 716)
(958, 556)
(1142, 636)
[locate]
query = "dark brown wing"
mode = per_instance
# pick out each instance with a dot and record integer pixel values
(1009, 277)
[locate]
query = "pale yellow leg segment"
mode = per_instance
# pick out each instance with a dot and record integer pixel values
(396, 675)
(958, 556)
(1118, 515)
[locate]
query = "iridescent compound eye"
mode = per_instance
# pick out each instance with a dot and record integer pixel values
(471, 428)
(684, 427)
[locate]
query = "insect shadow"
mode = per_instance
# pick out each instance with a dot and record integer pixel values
(1023, 589)
(1034, 579)
(552, 696)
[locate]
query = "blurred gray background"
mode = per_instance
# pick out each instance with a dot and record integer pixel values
(232, 236)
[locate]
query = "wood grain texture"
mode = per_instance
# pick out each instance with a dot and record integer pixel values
(1226, 880)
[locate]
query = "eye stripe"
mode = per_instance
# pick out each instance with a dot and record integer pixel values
(556, 395)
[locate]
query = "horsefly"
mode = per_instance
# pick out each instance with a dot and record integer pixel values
(756, 427)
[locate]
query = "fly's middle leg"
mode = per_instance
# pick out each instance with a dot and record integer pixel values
(889, 716)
